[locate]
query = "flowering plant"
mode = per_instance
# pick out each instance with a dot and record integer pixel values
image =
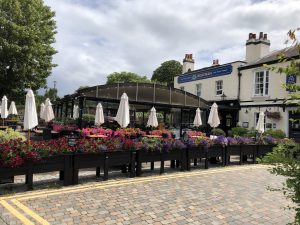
(220, 140)
(164, 133)
(160, 144)
(244, 140)
(193, 133)
(96, 131)
(130, 132)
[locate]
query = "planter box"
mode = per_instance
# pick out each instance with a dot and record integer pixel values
(233, 150)
(62, 163)
(196, 153)
(262, 150)
(247, 150)
(87, 160)
(216, 151)
(158, 156)
(120, 158)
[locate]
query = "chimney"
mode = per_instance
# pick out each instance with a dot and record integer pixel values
(215, 62)
(188, 63)
(257, 48)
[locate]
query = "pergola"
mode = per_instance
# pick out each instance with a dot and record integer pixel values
(178, 105)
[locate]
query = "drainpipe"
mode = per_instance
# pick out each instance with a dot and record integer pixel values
(239, 85)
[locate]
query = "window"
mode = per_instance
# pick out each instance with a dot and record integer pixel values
(261, 83)
(182, 88)
(198, 89)
(219, 87)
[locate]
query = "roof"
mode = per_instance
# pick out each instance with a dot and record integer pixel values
(147, 94)
(290, 52)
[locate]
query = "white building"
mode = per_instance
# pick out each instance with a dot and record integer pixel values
(242, 89)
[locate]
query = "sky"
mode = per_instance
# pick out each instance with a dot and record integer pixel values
(99, 37)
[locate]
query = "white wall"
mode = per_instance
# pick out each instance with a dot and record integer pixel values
(208, 92)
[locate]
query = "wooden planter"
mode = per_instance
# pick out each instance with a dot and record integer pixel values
(233, 150)
(216, 151)
(62, 163)
(103, 160)
(262, 150)
(158, 156)
(87, 160)
(247, 150)
(196, 153)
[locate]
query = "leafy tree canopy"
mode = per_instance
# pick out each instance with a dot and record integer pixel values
(167, 71)
(27, 31)
(123, 77)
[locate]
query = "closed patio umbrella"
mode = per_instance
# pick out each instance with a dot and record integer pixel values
(99, 117)
(152, 120)
(260, 126)
(123, 117)
(197, 120)
(48, 111)
(4, 111)
(75, 112)
(30, 114)
(42, 109)
(13, 109)
(213, 118)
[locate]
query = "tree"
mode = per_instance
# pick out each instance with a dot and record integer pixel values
(285, 158)
(123, 77)
(51, 94)
(27, 31)
(167, 71)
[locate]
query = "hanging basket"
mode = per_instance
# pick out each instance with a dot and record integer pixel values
(273, 115)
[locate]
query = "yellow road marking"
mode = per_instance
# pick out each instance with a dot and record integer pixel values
(133, 181)
(84, 187)
(15, 213)
(30, 212)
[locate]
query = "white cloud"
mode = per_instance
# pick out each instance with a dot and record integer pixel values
(96, 38)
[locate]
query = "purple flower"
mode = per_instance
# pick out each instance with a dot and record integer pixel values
(232, 141)
(269, 139)
(221, 140)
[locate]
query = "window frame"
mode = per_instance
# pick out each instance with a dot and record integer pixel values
(216, 87)
(265, 83)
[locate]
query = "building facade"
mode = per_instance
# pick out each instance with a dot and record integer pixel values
(242, 89)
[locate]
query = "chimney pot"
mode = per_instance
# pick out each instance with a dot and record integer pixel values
(217, 61)
(265, 36)
(261, 35)
(250, 36)
(254, 36)
(186, 56)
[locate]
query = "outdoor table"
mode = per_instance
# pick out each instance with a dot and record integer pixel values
(153, 136)
(3, 127)
(96, 136)
(41, 132)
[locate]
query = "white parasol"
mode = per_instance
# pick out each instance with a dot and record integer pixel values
(213, 118)
(4, 111)
(75, 112)
(99, 117)
(197, 120)
(122, 116)
(152, 120)
(13, 109)
(48, 111)
(260, 126)
(42, 109)
(30, 115)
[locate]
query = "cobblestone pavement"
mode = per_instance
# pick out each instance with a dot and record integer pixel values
(231, 195)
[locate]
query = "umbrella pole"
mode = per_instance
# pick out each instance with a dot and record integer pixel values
(28, 136)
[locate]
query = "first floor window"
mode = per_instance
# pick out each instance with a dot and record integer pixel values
(198, 89)
(261, 83)
(219, 87)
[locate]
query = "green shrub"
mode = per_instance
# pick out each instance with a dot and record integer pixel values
(10, 134)
(275, 133)
(252, 132)
(238, 131)
(217, 132)
(88, 117)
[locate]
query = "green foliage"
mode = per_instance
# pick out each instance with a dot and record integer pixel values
(10, 134)
(167, 71)
(285, 159)
(217, 132)
(26, 37)
(124, 77)
(88, 117)
(238, 131)
(275, 133)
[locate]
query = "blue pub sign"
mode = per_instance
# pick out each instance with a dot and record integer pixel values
(205, 74)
